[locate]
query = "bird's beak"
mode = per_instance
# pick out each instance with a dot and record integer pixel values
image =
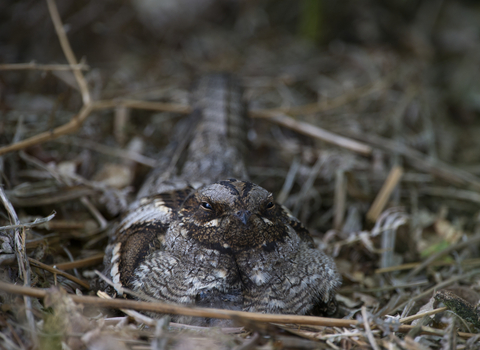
(243, 216)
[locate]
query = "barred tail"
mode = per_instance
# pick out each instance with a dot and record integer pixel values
(217, 149)
(211, 143)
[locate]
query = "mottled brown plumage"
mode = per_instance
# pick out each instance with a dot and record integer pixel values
(219, 243)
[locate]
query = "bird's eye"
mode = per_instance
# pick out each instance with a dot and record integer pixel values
(206, 206)
(270, 205)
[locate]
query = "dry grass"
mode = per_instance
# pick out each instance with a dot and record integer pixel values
(371, 141)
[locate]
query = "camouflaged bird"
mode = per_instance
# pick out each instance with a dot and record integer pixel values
(205, 238)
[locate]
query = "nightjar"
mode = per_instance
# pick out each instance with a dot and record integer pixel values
(197, 235)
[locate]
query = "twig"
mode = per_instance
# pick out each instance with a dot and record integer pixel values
(65, 225)
(8, 343)
(67, 50)
(313, 131)
(39, 164)
(121, 118)
(389, 185)
(102, 222)
(388, 236)
(339, 200)
(368, 331)
(21, 255)
(37, 222)
(54, 270)
(140, 318)
(344, 334)
(46, 67)
(182, 310)
(202, 312)
(417, 316)
(90, 261)
(51, 238)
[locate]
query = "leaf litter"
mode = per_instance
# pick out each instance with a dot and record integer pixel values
(368, 135)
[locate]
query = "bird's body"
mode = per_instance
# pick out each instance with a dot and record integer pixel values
(220, 243)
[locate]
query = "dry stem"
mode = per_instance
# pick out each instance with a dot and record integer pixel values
(44, 67)
(54, 270)
(18, 245)
(389, 185)
(182, 310)
(67, 50)
(417, 316)
(313, 131)
(368, 331)
(202, 312)
(90, 261)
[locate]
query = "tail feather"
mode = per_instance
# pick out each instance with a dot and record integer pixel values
(211, 143)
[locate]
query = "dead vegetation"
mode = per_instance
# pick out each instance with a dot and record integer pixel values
(370, 137)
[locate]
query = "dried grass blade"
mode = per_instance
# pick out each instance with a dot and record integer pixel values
(21, 255)
(383, 195)
(183, 310)
(54, 270)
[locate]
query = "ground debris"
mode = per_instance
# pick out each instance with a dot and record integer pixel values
(369, 135)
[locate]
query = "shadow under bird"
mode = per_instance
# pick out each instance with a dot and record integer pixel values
(196, 235)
